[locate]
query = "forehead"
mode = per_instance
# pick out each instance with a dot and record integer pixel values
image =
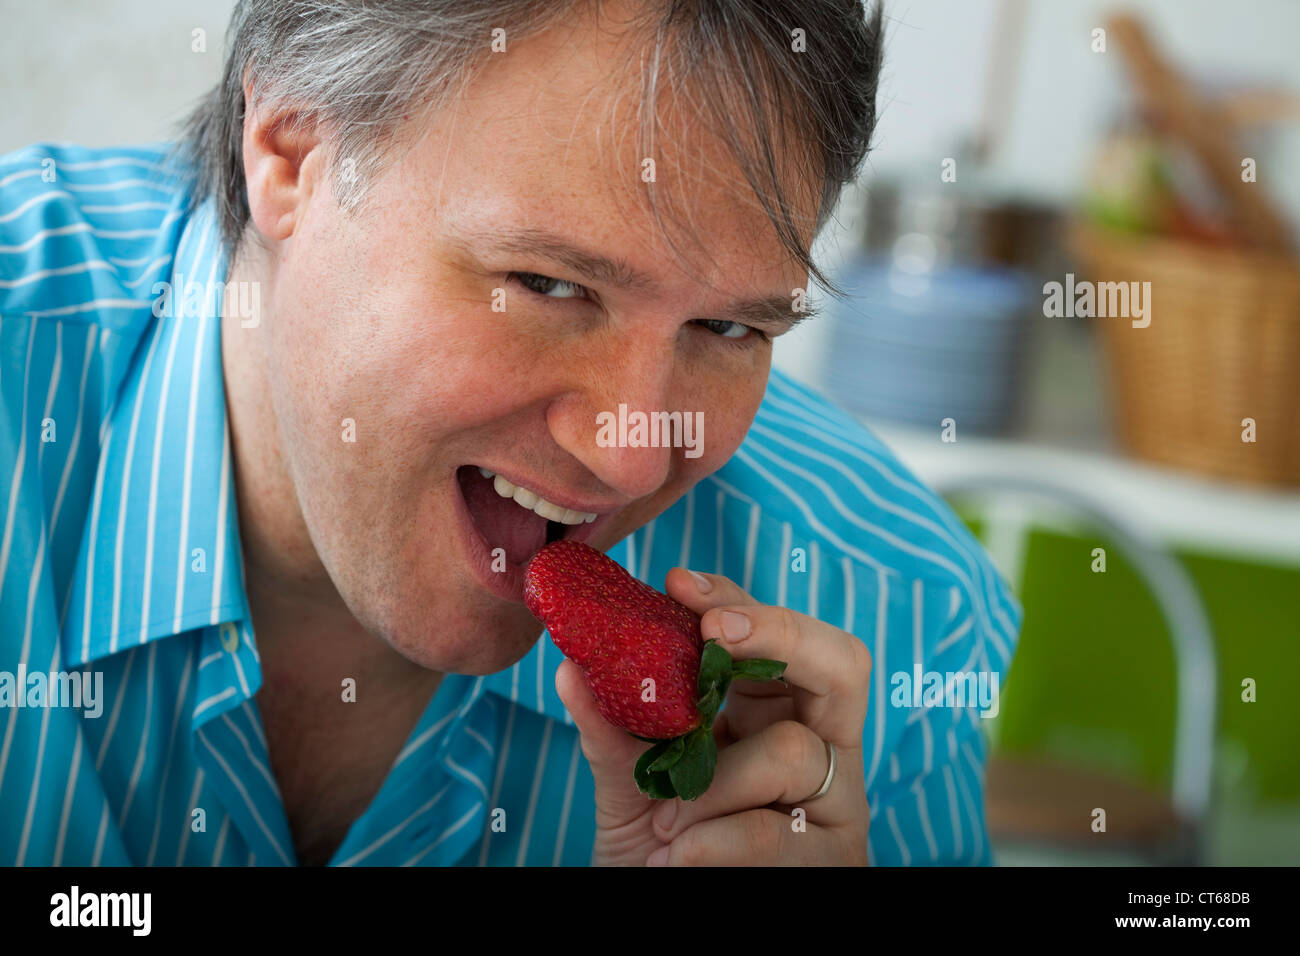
(551, 135)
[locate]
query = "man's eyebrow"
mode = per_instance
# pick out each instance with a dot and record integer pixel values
(596, 268)
(589, 265)
(774, 311)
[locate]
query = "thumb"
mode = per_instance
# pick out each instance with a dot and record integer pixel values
(611, 751)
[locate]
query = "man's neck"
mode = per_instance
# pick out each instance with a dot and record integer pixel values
(307, 637)
(336, 702)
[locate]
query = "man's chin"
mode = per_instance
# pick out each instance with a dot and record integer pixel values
(487, 638)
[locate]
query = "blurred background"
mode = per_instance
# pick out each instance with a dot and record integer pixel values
(1138, 484)
(1101, 459)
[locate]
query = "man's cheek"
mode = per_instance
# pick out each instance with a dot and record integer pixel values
(482, 375)
(725, 425)
(466, 392)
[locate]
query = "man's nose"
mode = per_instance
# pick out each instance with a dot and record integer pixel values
(596, 421)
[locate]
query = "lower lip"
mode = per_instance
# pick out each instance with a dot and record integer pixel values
(508, 584)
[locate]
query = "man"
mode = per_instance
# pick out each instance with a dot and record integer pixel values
(280, 437)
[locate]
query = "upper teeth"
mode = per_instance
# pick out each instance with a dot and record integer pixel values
(535, 502)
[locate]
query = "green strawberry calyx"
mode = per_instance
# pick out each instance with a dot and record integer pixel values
(683, 766)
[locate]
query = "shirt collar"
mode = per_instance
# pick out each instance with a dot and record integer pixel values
(161, 552)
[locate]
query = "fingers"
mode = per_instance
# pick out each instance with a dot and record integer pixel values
(784, 764)
(751, 813)
(602, 742)
(827, 669)
(747, 715)
(723, 734)
(822, 659)
(700, 592)
(758, 838)
(611, 751)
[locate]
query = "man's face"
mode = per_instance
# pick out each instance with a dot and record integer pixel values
(530, 184)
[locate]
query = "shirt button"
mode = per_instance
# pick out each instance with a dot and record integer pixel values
(229, 637)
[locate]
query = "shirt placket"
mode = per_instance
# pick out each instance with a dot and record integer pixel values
(230, 744)
(433, 806)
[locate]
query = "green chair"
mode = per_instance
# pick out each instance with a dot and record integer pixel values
(1042, 809)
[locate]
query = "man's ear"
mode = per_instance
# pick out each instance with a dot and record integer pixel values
(283, 165)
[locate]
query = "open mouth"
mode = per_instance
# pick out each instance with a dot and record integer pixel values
(514, 518)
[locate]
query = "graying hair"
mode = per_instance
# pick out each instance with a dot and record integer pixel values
(361, 68)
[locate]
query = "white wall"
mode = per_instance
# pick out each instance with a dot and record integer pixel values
(1063, 95)
(119, 71)
(103, 72)
(938, 54)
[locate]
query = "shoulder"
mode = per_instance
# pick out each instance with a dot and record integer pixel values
(84, 232)
(811, 466)
(84, 236)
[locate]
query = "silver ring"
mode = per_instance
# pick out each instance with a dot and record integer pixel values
(830, 775)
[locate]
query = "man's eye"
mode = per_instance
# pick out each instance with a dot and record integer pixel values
(726, 328)
(552, 288)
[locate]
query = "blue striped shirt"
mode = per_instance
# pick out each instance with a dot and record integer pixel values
(120, 566)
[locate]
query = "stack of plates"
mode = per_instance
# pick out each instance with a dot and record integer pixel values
(922, 348)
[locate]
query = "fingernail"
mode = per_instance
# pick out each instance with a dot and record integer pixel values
(658, 858)
(701, 582)
(666, 814)
(735, 627)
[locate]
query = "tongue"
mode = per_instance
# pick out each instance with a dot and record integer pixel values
(502, 522)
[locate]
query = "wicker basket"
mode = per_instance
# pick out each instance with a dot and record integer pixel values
(1223, 345)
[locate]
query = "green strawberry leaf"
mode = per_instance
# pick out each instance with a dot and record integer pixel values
(651, 755)
(650, 740)
(692, 774)
(715, 664)
(658, 786)
(709, 705)
(684, 766)
(758, 669)
(656, 783)
(724, 685)
(670, 756)
(644, 776)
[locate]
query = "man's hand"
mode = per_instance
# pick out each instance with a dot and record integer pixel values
(771, 742)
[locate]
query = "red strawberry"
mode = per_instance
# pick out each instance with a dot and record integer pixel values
(621, 632)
